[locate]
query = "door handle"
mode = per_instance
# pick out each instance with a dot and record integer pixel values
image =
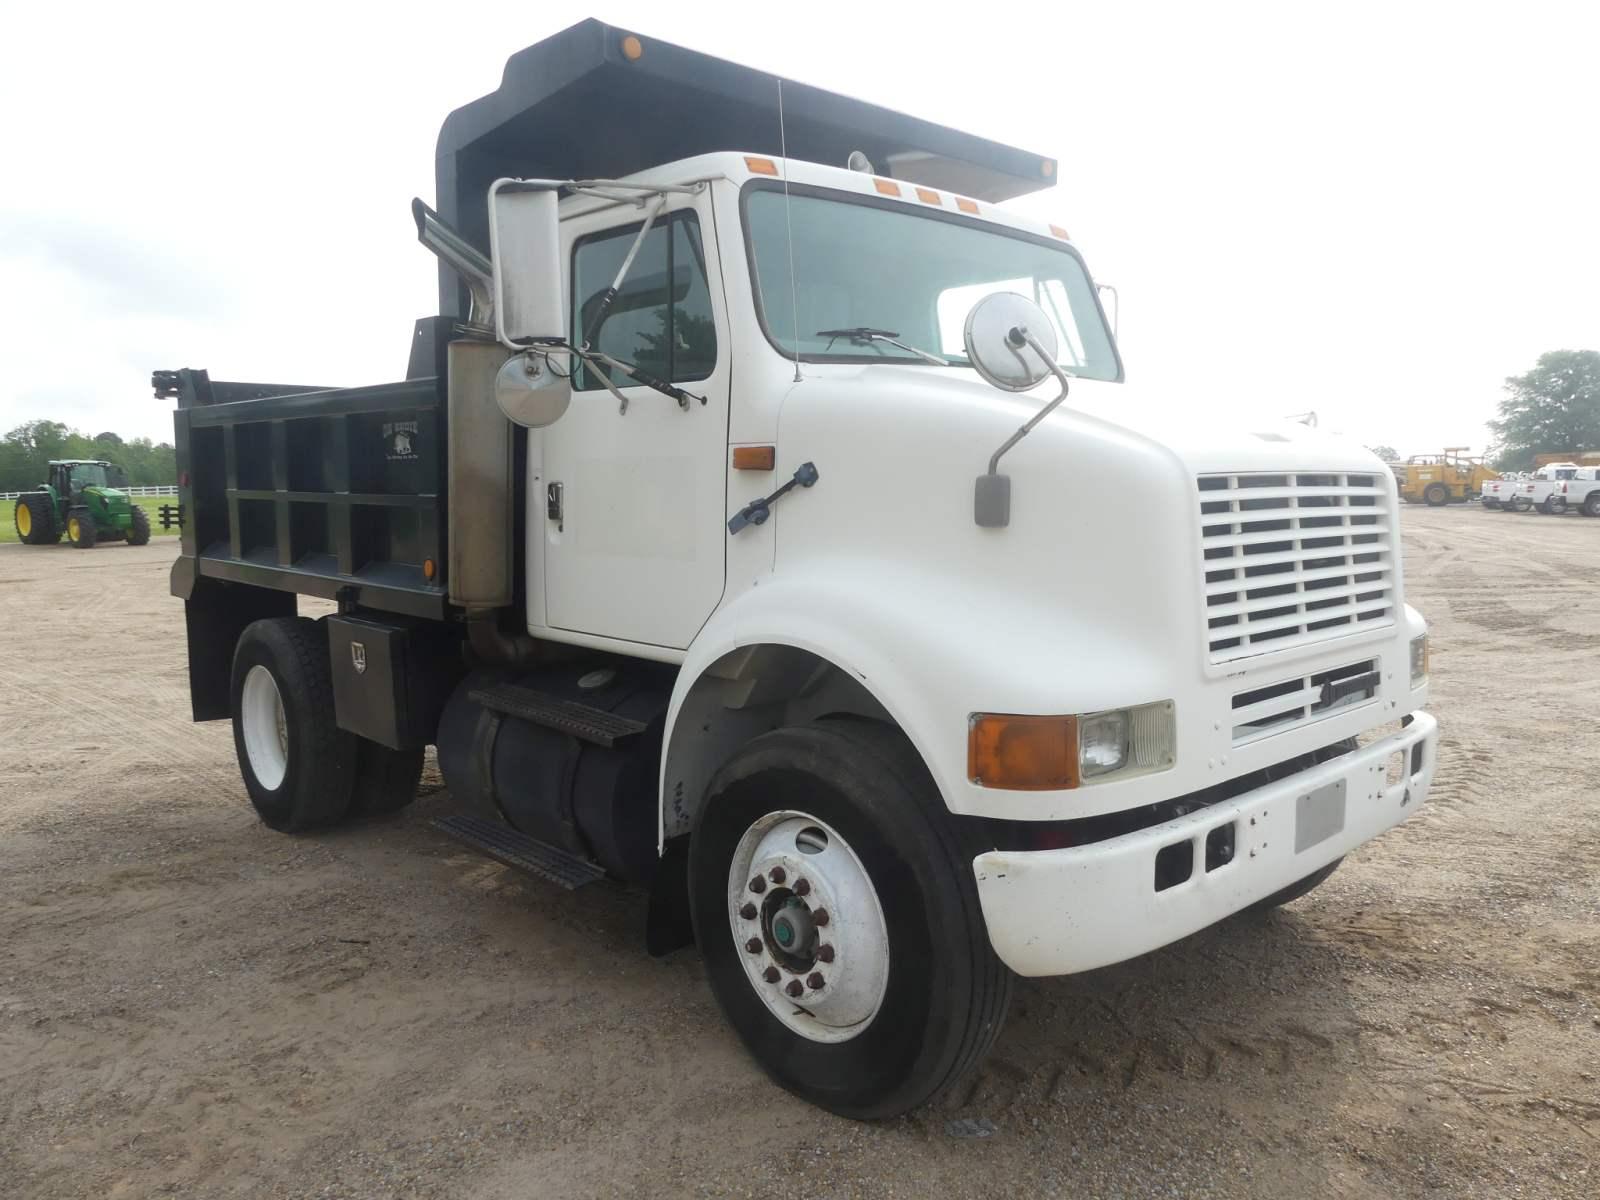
(554, 506)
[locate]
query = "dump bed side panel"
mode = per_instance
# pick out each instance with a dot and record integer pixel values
(338, 494)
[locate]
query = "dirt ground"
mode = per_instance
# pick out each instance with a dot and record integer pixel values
(193, 1005)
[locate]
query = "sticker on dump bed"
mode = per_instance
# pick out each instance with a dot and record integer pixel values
(1318, 815)
(400, 441)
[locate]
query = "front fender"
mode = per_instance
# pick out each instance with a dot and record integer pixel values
(932, 650)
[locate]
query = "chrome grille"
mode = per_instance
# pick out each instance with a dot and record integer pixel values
(1294, 559)
(1280, 707)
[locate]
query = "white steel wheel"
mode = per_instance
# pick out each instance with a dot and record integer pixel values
(808, 921)
(265, 727)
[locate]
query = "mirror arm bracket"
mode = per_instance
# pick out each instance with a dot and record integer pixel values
(991, 503)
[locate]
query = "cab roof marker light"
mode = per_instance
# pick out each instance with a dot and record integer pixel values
(887, 187)
(967, 206)
(761, 166)
(929, 196)
(1060, 233)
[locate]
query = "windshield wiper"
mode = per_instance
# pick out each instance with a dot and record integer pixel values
(865, 335)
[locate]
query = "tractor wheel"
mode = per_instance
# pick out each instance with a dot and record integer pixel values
(139, 532)
(299, 767)
(386, 780)
(35, 520)
(903, 997)
(81, 530)
(1436, 495)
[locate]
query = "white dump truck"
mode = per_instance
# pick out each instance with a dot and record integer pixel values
(738, 533)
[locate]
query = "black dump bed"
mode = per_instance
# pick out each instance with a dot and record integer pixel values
(335, 493)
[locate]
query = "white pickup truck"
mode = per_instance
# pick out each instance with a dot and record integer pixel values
(1581, 490)
(1497, 493)
(1520, 493)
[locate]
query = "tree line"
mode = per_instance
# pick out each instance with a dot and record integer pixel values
(1552, 409)
(25, 451)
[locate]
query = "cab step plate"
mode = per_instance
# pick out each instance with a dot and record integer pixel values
(504, 844)
(565, 716)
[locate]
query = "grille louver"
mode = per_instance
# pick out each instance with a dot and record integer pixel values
(1294, 559)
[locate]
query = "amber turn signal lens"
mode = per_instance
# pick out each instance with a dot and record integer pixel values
(429, 569)
(754, 458)
(1022, 753)
(761, 166)
(632, 48)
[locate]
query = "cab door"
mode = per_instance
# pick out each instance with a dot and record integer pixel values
(633, 503)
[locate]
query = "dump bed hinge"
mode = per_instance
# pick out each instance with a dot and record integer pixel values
(506, 845)
(565, 716)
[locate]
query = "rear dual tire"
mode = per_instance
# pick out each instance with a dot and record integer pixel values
(303, 772)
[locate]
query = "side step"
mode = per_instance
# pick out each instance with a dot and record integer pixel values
(565, 716)
(504, 844)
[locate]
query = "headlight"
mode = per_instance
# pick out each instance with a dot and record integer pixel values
(1047, 753)
(1419, 661)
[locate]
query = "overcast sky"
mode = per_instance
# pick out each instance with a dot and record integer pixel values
(1374, 212)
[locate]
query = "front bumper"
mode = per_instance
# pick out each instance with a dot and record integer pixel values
(1055, 912)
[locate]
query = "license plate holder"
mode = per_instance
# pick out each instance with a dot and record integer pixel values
(1319, 814)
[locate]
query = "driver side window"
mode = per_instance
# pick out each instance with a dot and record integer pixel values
(661, 318)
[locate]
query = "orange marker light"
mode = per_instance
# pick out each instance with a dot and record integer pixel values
(967, 206)
(754, 458)
(1022, 753)
(632, 48)
(429, 569)
(887, 186)
(928, 196)
(1047, 168)
(1059, 232)
(761, 166)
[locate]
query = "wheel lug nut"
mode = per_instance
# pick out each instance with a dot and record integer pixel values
(758, 885)
(802, 887)
(748, 912)
(770, 974)
(795, 987)
(825, 952)
(814, 981)
(753, 945)
(777, 875)
(820, 917)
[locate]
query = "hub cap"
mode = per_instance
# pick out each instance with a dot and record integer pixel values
(265, 728)
(24, 519)
(808, 926)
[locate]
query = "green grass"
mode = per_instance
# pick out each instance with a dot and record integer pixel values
(8, 524)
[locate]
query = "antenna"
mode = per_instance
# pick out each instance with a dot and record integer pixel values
(794, 290)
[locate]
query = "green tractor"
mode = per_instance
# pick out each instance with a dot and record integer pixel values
(83, 500)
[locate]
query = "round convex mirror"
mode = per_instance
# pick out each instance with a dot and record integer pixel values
(1010, 364)
(530, 393)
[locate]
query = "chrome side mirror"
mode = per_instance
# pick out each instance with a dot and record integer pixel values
(525, 253)
(530, 393)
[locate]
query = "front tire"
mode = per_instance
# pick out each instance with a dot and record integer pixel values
(1591, 505)
(853, 961)
(81, 530)
(1436, 495)
(299, 767)
(139, 532)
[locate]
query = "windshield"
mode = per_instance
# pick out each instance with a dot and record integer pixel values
(863, 271)
(88, 475)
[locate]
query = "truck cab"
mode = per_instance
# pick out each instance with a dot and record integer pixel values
(736, 535)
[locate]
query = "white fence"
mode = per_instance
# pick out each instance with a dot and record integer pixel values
(166, 489)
